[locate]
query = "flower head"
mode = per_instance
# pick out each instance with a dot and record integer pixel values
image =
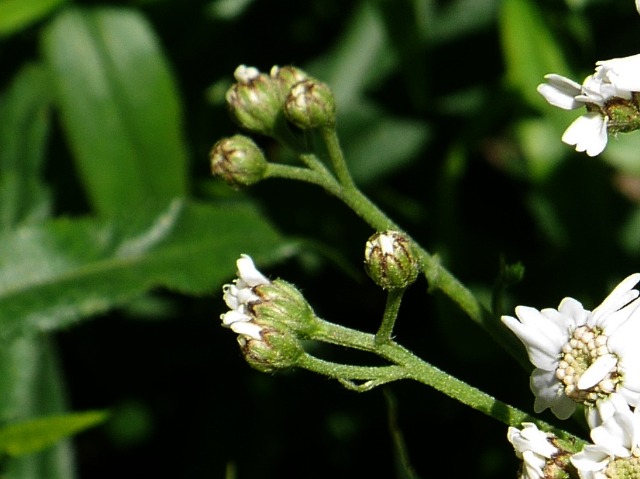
(615, 452)
(270, 317)
(582, 356)
(540, 456)
(607, 94)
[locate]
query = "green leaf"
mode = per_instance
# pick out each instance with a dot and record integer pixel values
(530, 49)
(119, 106)
(56, 273)
(380, 144)
(25, 113)
(18, 14)
(360, 59)
(31, 436)
(31, 385)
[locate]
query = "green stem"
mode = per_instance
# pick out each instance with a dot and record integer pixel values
(394, 298)
(419, 370)
(325, 180)
(330, 138)
(381, 374)
(437, 276)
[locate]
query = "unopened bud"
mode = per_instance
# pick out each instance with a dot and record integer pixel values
(282, 302)
(238, 161)
(275, 350)
(310, 104)
(255, 101)
(390, 260)
(286, 77)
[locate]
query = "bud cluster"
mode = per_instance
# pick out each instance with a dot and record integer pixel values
(261, 102)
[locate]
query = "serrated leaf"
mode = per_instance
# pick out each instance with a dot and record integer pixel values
(18, 14)
(24, 109)
(120, 108)
(56, 273)
(529, 48)
(35, 435)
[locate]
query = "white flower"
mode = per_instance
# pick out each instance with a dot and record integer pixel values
(613, 79)
(239, 297)
(616, 449)
(533, 447)
(580, 355)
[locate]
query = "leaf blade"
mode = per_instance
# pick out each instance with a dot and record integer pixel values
(52, 275)
(119, 107)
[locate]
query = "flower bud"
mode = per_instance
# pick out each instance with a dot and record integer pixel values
(270, 318)
(282, 302)
(238, 161)
(390, 260)
(275, 350)
(286, 77)
(255, 101)
(310, 104)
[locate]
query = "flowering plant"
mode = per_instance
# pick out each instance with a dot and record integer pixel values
(587, 363)
(430, 208)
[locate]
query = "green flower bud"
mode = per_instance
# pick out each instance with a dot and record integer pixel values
(282, 302)
(286, 77)
(310, 104)
(238, 161)
(390, 260)
(255, 101)
(275, 350)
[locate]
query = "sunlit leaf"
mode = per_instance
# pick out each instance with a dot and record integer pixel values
(18, 14)
(530, 50)
(380, 144)
(24, 110)
(119, 106)
(56, 273)
(32, 386)
(361, 58)
(34, 435)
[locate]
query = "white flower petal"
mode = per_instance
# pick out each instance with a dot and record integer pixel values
(588, 133)
(560, 91)
(597, 371)
(624, 72)
(549, 394)
(616, 434)
(591, 458)
(573, 310)
(247, 328)
(249, 273)
(530, 438)
(542, 349)
(234, 316)
(245, 74)
(621, 295)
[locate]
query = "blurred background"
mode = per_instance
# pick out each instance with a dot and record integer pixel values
(116, 240)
